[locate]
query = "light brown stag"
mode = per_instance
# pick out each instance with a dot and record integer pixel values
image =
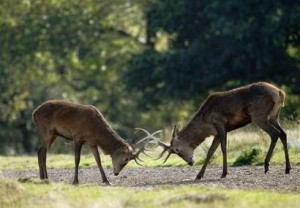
(223, 112)
(81, 124)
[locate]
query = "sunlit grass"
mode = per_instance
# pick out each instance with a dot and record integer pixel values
(238, 142)
(38, 194)
(62, 195)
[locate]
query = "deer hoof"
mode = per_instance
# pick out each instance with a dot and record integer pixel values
(266, 170)
(223, 175)
(266, 167)
(75, 183)
(107, 183)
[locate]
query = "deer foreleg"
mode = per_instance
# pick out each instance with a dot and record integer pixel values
(210, 153)
(223, 139)
(77, 150)
(97, 158)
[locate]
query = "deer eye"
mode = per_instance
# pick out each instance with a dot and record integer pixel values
(193, 146)
(126, 159)
(177, 150)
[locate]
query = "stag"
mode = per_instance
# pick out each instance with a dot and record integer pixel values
(82, 124)
(223, 112)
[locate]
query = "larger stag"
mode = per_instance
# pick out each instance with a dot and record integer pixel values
(81, 124)
(223, 112)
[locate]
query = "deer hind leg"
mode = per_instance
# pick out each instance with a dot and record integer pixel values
(283, 138)
(223, 139)
(274, 134)
(41, 154)
(48, 139)
(262, 117)
(98, 160)
(210, 153)
(77, 150)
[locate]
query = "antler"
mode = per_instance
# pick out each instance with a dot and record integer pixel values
(136, 155)
(151, 138)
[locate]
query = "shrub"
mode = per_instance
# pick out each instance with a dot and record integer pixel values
(248, 157)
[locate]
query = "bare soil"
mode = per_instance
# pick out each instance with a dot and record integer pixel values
(245, 177)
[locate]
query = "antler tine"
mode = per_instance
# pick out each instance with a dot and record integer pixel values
(167, 157)
(165, 146)
(165, 149)
(139, 159)
(136, 155)
(157, 132)
(143, 130)
(152, 137)
(146, 138)
(137, 162)
(161, 154)
(149, 136)
(140, 151)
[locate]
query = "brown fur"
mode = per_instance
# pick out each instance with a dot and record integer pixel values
(234, 109)
(75, 121)
(225, 111)
(80, 123)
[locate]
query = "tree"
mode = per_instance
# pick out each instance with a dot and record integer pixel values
(71, 50)
(216, 45)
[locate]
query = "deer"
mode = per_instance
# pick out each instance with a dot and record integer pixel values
(222, 112)
(82, 124)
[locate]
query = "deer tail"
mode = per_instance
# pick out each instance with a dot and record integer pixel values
(281, 97)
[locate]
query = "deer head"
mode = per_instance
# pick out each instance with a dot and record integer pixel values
(178, 146)
(122, 156)
(182, 147)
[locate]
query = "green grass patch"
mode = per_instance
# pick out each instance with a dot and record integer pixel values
(248, 157)
(87, 160)
(30, 194)
(240, 151)
(11, 193)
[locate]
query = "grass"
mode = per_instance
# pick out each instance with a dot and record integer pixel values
(248, 157)
(31, 194)
(35, 193)
(67, 161)
(240, 144)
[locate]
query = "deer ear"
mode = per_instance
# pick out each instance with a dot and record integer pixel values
(194, 146)
(175, 131)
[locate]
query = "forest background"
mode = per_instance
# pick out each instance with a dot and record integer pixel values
(145, 64)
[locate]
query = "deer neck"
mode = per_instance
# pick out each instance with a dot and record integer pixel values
(110, 142)
(195, 132)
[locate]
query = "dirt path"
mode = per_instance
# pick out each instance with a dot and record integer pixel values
(247, 177)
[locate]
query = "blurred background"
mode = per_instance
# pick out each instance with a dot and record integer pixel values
(145, 64)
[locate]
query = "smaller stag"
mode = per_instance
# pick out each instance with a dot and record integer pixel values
(82, 124)
(223, 112)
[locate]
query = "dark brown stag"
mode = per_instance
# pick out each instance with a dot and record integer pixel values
(83, 124)
(223, 112)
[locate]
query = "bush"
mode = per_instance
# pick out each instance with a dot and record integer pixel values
(248, 157)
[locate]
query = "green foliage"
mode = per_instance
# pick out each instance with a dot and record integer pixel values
(248, 157)
(64, 50)
(32, 194)
(170, 54)
(217, 45)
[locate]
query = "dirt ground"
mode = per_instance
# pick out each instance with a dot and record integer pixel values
(246, 177)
